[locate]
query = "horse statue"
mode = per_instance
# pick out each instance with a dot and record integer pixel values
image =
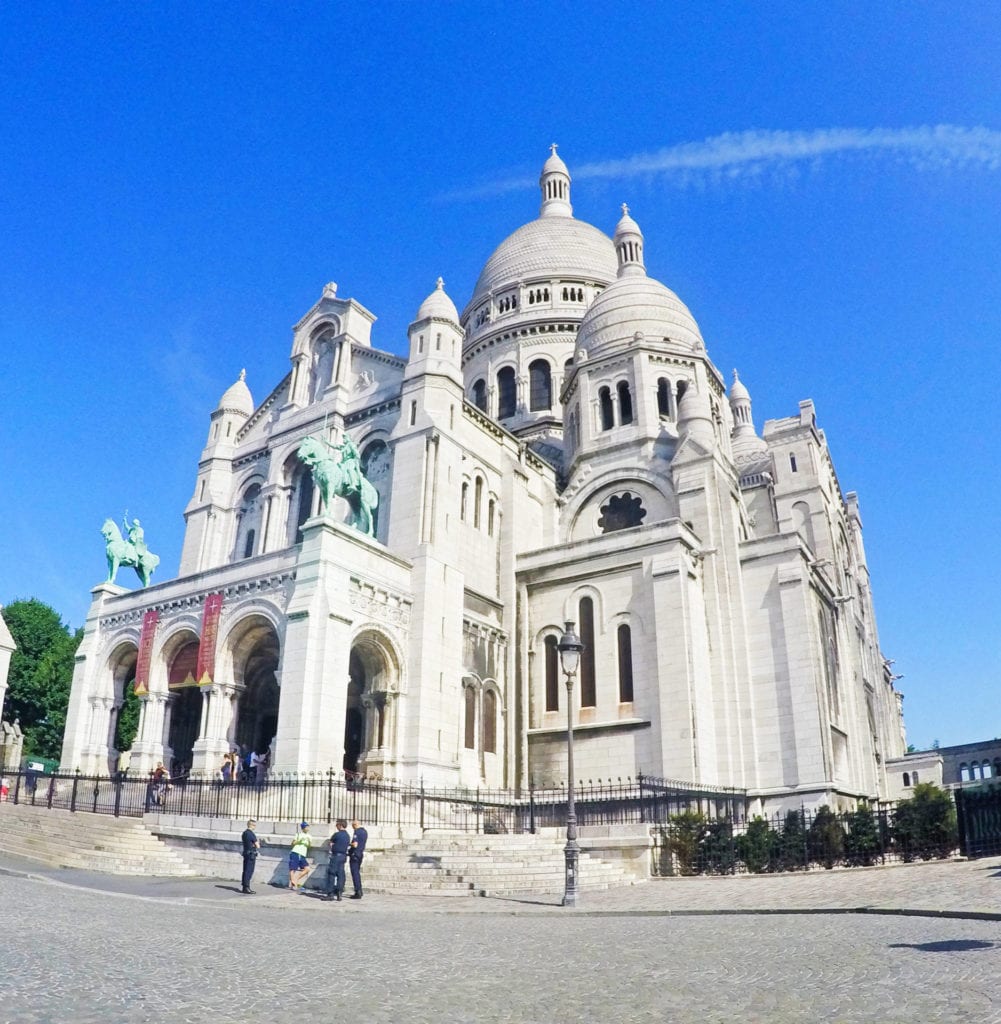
(337, 473)
(127, 552)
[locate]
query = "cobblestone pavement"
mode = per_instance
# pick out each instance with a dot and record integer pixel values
(196, 951)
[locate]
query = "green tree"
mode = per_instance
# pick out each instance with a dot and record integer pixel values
(862, 845)
(793, 846)
(925, 825)
(41, 671)
(758, 846)
(685, 835)
(128, 720)
(826, 838)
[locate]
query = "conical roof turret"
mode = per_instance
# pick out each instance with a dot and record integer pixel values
(438, 306)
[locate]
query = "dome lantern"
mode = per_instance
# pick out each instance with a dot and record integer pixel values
(555, 185)
(629, 246)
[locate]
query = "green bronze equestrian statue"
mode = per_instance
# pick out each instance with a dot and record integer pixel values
(337, 473)
(128, 552)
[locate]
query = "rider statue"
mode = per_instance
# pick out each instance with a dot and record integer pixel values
(137, 538)
(350, 463)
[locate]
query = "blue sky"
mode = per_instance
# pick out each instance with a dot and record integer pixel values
(819, 183)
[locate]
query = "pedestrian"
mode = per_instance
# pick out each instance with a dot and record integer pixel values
(356, 854)
(340, 843)
(161, 782)
(251, 846)
(226, 771)
(298, 865)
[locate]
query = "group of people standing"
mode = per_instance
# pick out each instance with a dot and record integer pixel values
(344, 848)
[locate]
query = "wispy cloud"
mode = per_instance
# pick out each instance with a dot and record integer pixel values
(735, 155)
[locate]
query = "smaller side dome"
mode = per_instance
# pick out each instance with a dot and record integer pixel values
(438, 306)
(237, 397)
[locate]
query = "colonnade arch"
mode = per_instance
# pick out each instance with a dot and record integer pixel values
(254, 651)
(370, 715)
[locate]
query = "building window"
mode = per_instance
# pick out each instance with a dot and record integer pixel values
(964, 773)
(464, 502)
(680, 391)
(605, 409)
(625, 665)
(540, 386)
(664, 398)
(907, 780)
(507, 393)
(552, 674)
(413, 413)
(588, 690)
(304, 504)
(478, 502)
(792, 463)
(625, 402)
(490, 722)
(248, 547)
(914, 778)
(470, 718)
(620, 512)
(480, 395)
(491, 508)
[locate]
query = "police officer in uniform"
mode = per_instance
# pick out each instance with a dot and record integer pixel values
(251, 845)
(340, 842)
(356, 855)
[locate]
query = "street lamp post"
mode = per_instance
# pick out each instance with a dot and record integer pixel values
(570, 647)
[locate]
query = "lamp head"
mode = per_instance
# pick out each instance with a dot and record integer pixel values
(569, 647)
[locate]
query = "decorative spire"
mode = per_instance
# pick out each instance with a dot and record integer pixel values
(555, 186)
(440, 284)
(243, 374)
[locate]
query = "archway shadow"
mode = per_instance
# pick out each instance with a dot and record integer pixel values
(945, 946)
(229, 888)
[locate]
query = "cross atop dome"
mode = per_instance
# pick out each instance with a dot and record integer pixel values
(553, 146)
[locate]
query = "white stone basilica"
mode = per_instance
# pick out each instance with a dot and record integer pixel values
(563, 450)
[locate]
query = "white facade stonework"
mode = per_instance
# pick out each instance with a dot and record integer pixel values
(563, 450)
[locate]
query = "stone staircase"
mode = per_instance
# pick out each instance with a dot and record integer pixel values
(460, 864)
(96, 842)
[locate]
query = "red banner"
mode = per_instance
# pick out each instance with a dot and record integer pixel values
(206, 645)
(146, 638)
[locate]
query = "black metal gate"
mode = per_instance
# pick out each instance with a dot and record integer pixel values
(978, 815)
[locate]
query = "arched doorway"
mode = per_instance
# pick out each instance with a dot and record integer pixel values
(373, 683)
(125, 710)
(255, 664)
(185, 707)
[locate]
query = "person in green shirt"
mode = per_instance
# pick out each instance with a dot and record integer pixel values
(298, 865)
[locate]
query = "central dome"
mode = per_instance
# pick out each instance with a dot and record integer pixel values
(549, 246)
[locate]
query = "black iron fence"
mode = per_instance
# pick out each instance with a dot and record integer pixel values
(326, 796)
(692, 843)
(979, 820)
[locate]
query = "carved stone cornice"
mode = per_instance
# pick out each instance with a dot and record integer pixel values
(377, 602)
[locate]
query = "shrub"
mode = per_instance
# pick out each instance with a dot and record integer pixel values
(758, 846)
(792, 844)
(684, 836)
(925, 824)
(862, 844)
(826, 838)
(718, 853)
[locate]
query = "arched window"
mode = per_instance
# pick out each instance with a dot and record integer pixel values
(588, 690)
(664, 397)
(470, 718)
(478, 502)
(907, 779)
(490, 722)
(605, 409)
(985, 770)
(540, 386)
(680, 391)
(625, 665)
(507, 393)
(491, 508)
(552, 674)
(625, 402)
(303, 504)
(480, 395)
(464, 502)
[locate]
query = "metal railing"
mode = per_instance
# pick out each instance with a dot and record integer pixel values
(326, 796)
